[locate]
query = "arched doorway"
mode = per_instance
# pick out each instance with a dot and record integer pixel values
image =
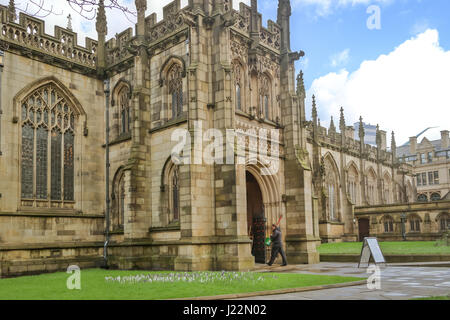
(364, 228)
(256, 220)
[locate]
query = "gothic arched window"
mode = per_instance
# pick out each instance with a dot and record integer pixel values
(48, 143)
(444, 222)
(174, 194)
(175, 85)
(264, 98)
(414, 223)
(331, 182)
(388, 224)
(238, 84)
(353, 182)
(124, 110)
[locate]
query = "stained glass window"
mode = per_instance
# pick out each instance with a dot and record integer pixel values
(27, 161)
(56, 165)
(41, 162)
(68, 166)
(47, 159)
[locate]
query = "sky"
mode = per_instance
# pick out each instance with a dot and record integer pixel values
(385, 60)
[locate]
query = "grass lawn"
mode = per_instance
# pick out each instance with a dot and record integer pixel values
(95, 287)
(398, 247)
(434, 298)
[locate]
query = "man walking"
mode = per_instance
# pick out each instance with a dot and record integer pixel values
(277, 246)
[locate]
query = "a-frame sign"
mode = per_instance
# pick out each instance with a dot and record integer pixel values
(371, 248)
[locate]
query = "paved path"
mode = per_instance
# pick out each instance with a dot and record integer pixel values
(397, 282)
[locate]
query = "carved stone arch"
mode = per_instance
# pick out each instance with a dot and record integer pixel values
(170, 209)
(164, 170)
(369, 170)
(270, 190)
(414, 216)
(122, 82)
(328, 156)
(442, 215)
(51, 80)
(168, 64)
(352, 164)
(118, 199)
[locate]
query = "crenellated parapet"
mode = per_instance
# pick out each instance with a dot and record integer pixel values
(269, 37)
(119, 49)
(174, 20)
(333, 140)
(28, 37)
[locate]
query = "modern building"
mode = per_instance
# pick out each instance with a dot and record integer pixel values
(370, 130)
(202, 67)
(431, 164)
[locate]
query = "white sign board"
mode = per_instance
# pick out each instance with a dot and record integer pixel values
(371, 248)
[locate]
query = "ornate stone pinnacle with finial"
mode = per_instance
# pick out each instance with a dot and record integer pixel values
(314, 108)
(332, 126)
(342, 120)
(300, 84)
(361, 127)
(12, 16)
(393, 143)
(69, 22)
(101, 24)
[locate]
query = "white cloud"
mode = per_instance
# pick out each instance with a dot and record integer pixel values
(340, 59)
(405, 90)
(326, 7)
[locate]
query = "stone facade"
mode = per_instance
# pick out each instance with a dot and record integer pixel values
(415, 221)
(204, 66)
(431, 166)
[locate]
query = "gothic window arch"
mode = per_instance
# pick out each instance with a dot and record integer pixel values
(238, 85)
(388, 224)
(124, 110)
(422, 198)
(387, 193)
(332, 189)
(265, 97)
(118, 197)
(353, 184)
(48, 122)
(444, 221)
(175, 90)
(372, 197)
(173, 181)
(414, 223)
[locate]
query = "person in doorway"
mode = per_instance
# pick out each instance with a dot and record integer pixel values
(277, 246)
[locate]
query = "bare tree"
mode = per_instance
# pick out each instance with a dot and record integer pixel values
(86, 8)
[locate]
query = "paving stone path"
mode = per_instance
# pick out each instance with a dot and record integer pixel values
(397, 282)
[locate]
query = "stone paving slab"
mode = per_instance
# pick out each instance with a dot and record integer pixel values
(397, 282)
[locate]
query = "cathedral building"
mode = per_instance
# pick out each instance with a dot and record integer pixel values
(87, 173)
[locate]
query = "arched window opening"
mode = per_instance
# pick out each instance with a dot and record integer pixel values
(352, 184)
(422, 198)
(388, 224)
(48, 147)
(174, 194)
(175, 85)
(414, 224)
(435, 197)
(124, 105)
(238, 81)
(372, 188)
(331, 181)
(444, 222)
(264, 98)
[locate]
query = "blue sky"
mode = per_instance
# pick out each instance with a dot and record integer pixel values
(397, 76)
